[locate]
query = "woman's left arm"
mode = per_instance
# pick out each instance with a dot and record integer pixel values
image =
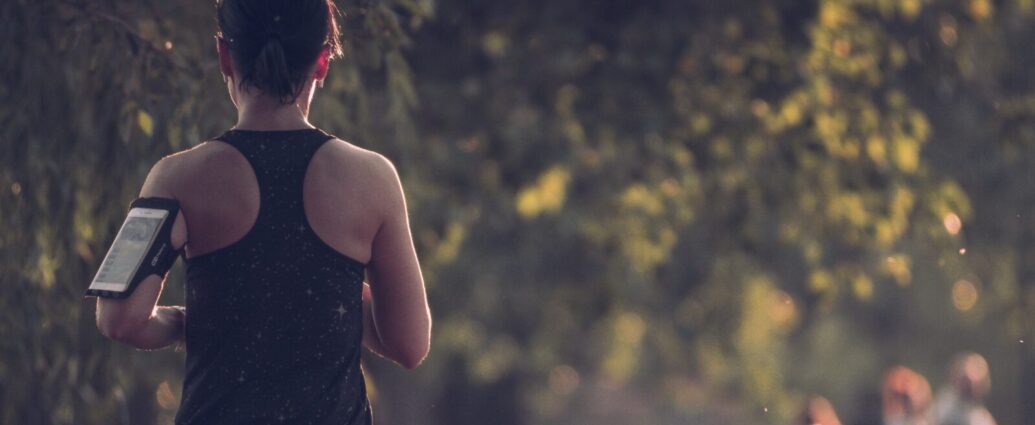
(136, 320)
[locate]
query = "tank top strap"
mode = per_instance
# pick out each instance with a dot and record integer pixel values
(279, 160)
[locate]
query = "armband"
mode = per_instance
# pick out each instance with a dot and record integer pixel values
(143, 247)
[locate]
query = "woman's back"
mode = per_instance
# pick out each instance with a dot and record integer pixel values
(285, 222)
(280, 224)
(343, 193)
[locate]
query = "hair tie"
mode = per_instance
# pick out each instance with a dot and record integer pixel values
(274, 32)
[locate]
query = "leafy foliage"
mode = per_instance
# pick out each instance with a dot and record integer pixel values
(628, 212)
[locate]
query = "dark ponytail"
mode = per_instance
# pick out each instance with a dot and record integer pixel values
(271, 72)
(273, 43)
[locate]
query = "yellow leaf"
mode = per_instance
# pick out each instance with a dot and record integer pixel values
(980, 9)
(898, 266)
(833, 15)
(547, 195)
(820, 281)
(876, 149)
(862, 287)
(495, 44)
(146, 123)
(906, 154)
(910, 8)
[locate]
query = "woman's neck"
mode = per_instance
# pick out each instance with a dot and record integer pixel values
(263, 114)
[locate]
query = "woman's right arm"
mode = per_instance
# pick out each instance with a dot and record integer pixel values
(370, 338)
(399, 321)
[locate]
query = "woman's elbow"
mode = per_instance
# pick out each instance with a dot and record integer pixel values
(415, 355)
(119, 331)
(410, 358)
(111, 332)
(411, 350)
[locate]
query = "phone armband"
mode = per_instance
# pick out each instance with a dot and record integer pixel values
(142, 248)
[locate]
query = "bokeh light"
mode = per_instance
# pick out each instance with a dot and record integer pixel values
(952, 223)
(165, 397)
(563, 380)
(964, 295)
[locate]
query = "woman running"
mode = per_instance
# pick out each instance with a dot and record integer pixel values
(278, 222)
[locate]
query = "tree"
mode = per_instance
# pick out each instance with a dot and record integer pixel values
(628, 212)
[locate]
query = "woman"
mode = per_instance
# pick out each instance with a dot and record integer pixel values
(279, 221)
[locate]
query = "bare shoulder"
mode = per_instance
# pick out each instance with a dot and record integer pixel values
(371, 176)
(372, 167)
(367, 159)
(203, 155)
(170, 173)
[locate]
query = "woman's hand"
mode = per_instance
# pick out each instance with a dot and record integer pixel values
(371, 339)
(177, 317)
(164, 328)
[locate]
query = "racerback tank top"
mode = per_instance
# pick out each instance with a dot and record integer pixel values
(274, 324)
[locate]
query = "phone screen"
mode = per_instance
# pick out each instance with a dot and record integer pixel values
(129, 249)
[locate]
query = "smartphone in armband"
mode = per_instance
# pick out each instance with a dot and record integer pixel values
(142, 247)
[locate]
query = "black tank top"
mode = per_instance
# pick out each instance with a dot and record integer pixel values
(274, 324)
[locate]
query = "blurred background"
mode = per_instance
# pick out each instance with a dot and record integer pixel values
(628, 212)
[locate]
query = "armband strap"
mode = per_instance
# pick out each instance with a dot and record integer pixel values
(160, 253)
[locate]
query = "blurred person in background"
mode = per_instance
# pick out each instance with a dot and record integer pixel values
(819, 411)
(906, 397)
(960, 402)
